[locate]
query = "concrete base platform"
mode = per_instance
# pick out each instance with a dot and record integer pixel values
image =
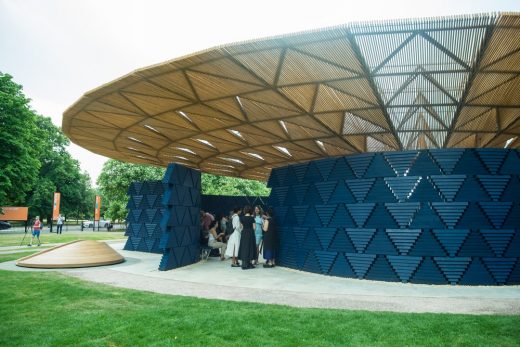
(215, 279)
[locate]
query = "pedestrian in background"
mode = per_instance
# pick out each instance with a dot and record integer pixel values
(37, 227)
(59, 224)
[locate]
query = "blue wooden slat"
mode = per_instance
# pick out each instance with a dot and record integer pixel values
(496, 211)
(360, 262)
(360, 163)
(325, 260)
(360, 237)
(449, 185)
(325, 235)
(494, 184)
(325, 189)
(360, 187)
(446, 159)
(453, 268)
(404, 266)
(403, 239)
(492, 158)
(451, 239)
(403, 213)
(500, 268)
(401, 162)
(450, 212)
(360, 212)
(402, 187)
(498, 239)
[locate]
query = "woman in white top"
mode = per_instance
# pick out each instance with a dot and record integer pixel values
(234, 240)
(215, 240)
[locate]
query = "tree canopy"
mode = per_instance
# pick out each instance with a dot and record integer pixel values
(34, 162)
(116, 177)
(19, 143)
(114, 181)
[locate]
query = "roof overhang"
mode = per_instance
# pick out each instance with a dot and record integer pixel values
(242, 109)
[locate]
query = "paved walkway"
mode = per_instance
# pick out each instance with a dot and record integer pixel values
(217, 280)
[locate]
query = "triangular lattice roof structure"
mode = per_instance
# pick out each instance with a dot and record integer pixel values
(242, 109)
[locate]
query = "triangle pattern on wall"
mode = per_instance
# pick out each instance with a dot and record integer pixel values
(496, 211)
(402, 187)
(448, 186)
(401, 162)
(492, 158)
(325, 260)
(360, 262)
(404, 266)
(360, 212)
(494, 184)
(325, 235)
(403, 239)
(360, 237)
(451, 239)
(498, 239)
(403, 213)
(450, 212)
(500, 268)
(360, 163)
(447, 160)
(453, 268)
(360, 187)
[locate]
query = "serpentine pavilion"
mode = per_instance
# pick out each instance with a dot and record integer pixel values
(391, 147)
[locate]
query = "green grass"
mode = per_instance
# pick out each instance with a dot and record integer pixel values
(50, 309)
(15, 239)
(14, 256)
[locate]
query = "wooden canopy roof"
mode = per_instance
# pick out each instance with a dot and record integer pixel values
(242, 109)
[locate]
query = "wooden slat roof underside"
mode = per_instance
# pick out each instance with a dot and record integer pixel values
(242, 109)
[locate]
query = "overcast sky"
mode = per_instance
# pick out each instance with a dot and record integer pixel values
(59, 49)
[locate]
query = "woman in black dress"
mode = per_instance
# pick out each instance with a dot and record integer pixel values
(247, 250)
(269, 237)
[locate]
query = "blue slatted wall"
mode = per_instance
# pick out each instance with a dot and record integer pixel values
(432, 216)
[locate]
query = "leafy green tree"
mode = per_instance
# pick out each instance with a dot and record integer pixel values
(34, 162)
(59, 172)
(223, 185)
(19, 143)
(116, 177)
(114, 181)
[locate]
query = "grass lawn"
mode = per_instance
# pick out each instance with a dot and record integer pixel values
(14, 256)
(50, 309)
(15, 239)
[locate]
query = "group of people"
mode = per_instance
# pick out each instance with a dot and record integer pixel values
(243, 236)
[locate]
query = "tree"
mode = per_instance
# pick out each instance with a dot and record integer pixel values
(34, 162)
(59, 172)
(19, 143)
(223, 185)
(114, 181)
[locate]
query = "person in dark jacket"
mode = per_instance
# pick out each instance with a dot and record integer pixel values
(247, 250)
(269, 237)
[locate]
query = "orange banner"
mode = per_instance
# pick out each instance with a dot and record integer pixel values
(97, 211)
(14, 213)
(56, 206)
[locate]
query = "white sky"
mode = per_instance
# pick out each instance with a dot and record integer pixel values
(59, 49)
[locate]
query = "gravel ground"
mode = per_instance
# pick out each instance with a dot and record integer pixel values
(301, 299)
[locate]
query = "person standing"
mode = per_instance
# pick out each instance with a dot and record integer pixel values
(258, 230)
(247, 250)
(37, 227)
(233, 245)
(269, 231)
(59, 224)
